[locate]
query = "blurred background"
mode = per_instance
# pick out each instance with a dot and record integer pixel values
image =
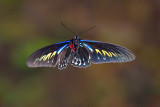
(28, 25)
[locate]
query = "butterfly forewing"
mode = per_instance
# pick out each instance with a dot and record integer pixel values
(47, 56)
(107, 53)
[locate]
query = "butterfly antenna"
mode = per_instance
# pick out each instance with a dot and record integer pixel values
(68, 28)
(86, 30)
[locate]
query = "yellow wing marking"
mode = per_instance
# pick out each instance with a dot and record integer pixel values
(47, 56)
(110, 54)
(114, 54)
(42, 58)
(98, 51)
(106, 53)
(54, 53)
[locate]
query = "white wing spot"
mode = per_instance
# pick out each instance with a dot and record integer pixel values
(76, 63)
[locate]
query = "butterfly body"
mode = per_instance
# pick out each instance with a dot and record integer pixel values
(74, 44)
(79, 53)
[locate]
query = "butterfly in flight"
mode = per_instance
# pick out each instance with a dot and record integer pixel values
(79, 53)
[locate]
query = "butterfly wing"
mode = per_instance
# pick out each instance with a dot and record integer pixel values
(101, 52)
(48, 56)
(81, 58)
(64, 58)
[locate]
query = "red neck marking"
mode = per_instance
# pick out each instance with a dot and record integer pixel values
(72, 47)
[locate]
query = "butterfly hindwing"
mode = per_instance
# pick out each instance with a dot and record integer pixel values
(47, 56)
(81, 58)
(106, 52)
(64, 58)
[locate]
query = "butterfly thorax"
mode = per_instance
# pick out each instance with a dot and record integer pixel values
(74, 44)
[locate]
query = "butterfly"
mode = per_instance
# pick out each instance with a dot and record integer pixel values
(79, 53)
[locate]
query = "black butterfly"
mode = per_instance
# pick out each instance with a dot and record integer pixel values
(79, 53)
